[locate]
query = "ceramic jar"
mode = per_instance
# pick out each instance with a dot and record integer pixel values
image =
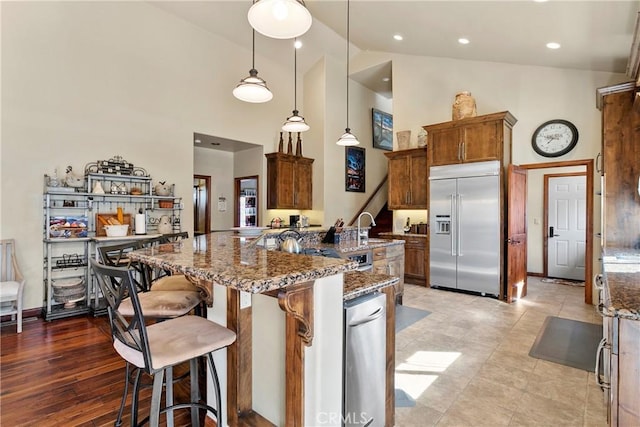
(463, 106)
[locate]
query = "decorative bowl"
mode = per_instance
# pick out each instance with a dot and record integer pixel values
(249, 231)
(116, 230)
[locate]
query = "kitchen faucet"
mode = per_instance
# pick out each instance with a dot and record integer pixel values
(364, 234)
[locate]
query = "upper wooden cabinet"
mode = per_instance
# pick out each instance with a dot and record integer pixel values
(289, 183)
(408, 179)
(474, 139)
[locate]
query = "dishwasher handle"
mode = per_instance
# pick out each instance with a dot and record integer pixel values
(371, 317)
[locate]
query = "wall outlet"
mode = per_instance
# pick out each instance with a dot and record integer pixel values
(245, 299)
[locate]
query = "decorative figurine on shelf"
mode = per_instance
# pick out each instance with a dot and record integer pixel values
(290, 145)
(299, 146)
(97, 188)
(162, 189)
(165, 226)
(280, 144)
(422, 138)
(463, 106)
(52, 181)
(73, 180)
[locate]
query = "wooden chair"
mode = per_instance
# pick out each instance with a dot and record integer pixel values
(11, 283)
(155, 349)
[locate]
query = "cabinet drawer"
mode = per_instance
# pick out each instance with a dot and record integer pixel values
(415, 242)
(379, 254)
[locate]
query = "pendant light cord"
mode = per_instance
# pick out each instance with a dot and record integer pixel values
(348, 19)
(253, 50)
(295, 75)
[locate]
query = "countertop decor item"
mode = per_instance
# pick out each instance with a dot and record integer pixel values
(554, 138)
(116, 230)
(115, 166)
(463, 106)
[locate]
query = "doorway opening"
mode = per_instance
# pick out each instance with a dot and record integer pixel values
(246, 205)
(201, 204)
(587, 169)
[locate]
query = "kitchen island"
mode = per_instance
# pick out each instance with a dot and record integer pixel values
(619, 351)
(240, 282)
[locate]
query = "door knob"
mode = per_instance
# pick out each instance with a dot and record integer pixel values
(551, 234)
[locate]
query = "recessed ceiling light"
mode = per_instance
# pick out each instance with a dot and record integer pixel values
(197, 141)
(553, 45)
(397, 37)
(463, 41)
(297, 44)
(385, 79)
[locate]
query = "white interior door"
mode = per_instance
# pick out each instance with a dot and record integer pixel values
(566, 232)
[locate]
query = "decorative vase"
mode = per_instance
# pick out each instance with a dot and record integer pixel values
(299, 146)
(290, 145)
(404, 139)
(463, 106)
(422, 138)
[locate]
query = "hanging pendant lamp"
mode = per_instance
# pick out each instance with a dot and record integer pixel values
(295, 122)
(253, 88)
(347, 137)
(280, 19)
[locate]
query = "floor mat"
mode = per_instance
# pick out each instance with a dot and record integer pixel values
(403, 400)
(406, 316)
(568, 342)
(565, 282)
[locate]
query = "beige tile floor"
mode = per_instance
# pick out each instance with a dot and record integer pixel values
(468, 363)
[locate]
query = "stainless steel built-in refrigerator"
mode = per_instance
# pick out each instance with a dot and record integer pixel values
(464, 215)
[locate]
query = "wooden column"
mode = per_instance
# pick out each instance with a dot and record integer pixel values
(297, 303)
(390, 401)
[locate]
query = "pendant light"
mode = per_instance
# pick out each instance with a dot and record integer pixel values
(280, 19)
(253, 88)
(347, 137)
(295, 122)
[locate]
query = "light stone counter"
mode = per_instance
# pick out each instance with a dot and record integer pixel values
(622, 270)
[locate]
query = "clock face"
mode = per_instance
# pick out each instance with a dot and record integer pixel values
(554, 138)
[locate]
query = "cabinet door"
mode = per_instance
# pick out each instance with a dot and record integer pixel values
(414, 265)
(303, 197)
(445, 147)
(482, 141)
(399, 177)
(280, 179)
(418, 181)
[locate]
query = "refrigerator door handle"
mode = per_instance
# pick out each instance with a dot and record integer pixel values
(454, 222)
(458, 221)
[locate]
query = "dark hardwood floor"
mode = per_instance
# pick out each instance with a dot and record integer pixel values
(66, 373)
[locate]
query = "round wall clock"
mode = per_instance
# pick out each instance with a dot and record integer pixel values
(554, 138)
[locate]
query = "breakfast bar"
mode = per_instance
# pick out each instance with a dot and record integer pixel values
(240, 282)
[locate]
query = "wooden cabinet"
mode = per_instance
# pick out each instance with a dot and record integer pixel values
(416, 257)
(474, 139)
(620, 165)
(408, 185)
(390, 260)
(289, 183)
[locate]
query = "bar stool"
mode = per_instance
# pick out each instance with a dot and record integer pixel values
(154, 305)
(164, 280)
(156, 348)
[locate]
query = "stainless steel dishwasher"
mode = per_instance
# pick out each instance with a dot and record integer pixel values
(364, 378)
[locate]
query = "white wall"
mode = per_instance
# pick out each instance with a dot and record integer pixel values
(85, 81)
(219, 166)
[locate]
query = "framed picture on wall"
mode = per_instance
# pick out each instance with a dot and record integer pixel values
(382, 129)
(355, 169)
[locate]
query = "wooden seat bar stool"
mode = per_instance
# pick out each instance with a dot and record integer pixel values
(156, 348)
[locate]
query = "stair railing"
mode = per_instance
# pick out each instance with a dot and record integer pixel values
(369, 200)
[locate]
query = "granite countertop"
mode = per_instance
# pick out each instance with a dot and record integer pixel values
(357, 283)
(227, 260)
(622, 271)
(392, 234)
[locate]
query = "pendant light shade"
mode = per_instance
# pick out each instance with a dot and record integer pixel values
(295, 122)
(347, 137)
(253, 88)
(280, 19)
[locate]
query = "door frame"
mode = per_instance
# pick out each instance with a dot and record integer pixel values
(545, 213)
(588, 164)
(207, 208)
(237, 188)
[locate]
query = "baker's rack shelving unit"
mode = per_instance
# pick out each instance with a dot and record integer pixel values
(72, 231)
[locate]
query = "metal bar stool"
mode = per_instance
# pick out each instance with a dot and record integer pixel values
(156, 348)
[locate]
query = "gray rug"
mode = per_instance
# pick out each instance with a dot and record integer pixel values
(407, 316)
(403, 400)
(568, 342)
